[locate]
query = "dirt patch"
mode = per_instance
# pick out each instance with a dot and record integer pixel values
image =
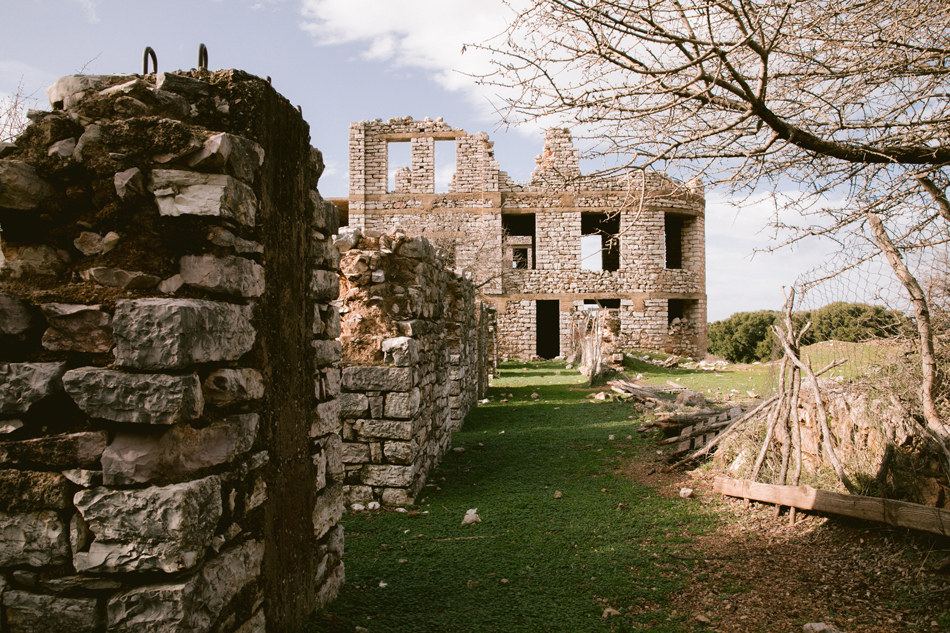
(758, 572)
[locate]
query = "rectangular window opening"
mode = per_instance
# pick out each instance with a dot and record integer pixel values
(674, 240)
(444, 165)
(519, 258)
(600, 235)
(399, 160)
(519, 235)
(675, 308)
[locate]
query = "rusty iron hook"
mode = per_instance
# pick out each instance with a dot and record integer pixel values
(149, 52)
(202, 57)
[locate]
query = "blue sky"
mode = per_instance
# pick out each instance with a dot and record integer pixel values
(349, 60)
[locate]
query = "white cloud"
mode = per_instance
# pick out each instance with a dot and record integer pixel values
(425, 34)
(89, 8)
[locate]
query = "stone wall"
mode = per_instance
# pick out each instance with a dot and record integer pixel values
(467, 222)
(169, 368)
(414, 362)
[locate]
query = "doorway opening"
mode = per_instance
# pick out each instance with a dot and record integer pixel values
(548, 333)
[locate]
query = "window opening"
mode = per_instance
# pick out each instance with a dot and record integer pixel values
(674, 310)
(519, 232)
(519, 258)
(399, 156)
(600, 235)
(444, 165)
(674, 240)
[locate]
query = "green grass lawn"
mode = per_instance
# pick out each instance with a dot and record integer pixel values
(534, 563)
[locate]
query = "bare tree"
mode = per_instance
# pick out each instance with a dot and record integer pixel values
(850, 98)
(13, 114)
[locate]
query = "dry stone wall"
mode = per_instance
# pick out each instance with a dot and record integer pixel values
(413, 363)
(467, 224)
(169, 363)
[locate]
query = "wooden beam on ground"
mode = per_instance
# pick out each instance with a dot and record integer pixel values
(898, 513)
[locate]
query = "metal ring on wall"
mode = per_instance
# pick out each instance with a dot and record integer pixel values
(149, 53)
(202, 57)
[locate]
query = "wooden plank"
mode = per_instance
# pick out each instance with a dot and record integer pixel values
(898, 513)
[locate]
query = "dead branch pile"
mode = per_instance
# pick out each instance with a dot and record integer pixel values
(780, 414)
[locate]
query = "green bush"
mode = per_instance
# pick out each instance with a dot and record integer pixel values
(744, 337)
(850, 322)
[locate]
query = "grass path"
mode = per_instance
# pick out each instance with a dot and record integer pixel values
(535, 562)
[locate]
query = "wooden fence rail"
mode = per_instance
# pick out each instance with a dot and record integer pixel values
(899, 513)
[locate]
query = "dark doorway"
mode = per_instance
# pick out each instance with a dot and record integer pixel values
(547, 319)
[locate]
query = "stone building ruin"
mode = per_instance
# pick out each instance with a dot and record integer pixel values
(541, 250)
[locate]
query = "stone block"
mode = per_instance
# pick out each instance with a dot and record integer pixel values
(77, 328)
(137, 398)
(357, 494)
(398, 452)
(20, 186)
(29, 491)
(60, 452)
(36, 539)
(353, 405)
(396, 497)
(84, 478)
(333, 449)
(74, 84)
(326, 418)
(214, 195)
(231, 275)
(118, 278)
(385, 429)
(401, 351)
(378, 378)
(24, 384)
(327, 352)
(388, 475)
(187, 86)
(325, 286)
(177, 333)
(192, 605)
(402, 405)
(15, 317)
(158, 528)
(129, 184)
(227, 386)
(35, 613)
(220, 236)
(35, 259)
(229, 153)
(331, 586)
(88, 243)
(140, 458)
(76, 584)
(355, 453)
(327, 510)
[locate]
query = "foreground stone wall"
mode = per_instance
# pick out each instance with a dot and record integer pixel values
(468, 223)
(414, 362)
(169, 369)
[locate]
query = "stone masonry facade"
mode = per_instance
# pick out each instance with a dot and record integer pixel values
(170, 432)
(521, 243)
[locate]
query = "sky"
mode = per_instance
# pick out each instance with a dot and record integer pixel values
(351, 60)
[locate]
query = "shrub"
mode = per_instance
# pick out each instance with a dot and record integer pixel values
(744, 337)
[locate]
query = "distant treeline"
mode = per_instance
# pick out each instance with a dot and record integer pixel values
(746, 337)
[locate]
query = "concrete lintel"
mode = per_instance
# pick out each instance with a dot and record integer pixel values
(402, 137)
